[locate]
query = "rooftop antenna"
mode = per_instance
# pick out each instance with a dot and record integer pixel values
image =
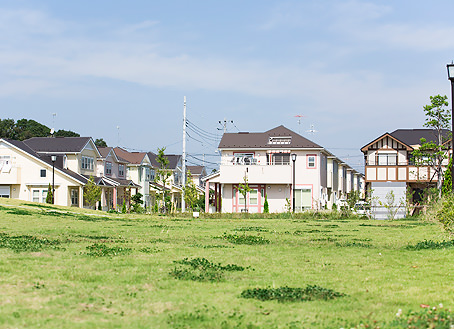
(299, 116)
(312, 131)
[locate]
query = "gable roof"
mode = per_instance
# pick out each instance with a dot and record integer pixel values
(261, 140)
(131, 157)
(409, 137)
(413, 136)
(173, 160)
(196, 170)
(57, 144)
(152, 156)
(46, 159)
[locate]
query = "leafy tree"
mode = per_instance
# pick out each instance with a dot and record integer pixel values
(92, 192)
(49, 197)
(191, 195)
(432, 154)
(30, 128)
(163, 173)
(352, 199)
(99, 142)
(447, 180)
(137, 202)
(244, 189)
(66, 133)
(266, 207)
(8, 128)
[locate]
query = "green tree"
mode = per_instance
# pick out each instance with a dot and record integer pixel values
(432, 153)
(66, 133)
(8, 128)
(163, 173)
(244, 190)
(137, 203)
(92, 192)
(266, 207)
(30, 128)
(49, 197)
(99, 142)
(191, 195)
(447, 180)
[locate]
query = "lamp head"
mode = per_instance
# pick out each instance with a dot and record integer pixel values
(450, 68)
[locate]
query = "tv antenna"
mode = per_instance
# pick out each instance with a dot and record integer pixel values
(299, 116)
(312, 130)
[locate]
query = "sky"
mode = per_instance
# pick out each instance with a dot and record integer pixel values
(119, 70)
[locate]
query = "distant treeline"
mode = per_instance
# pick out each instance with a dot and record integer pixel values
(23, 129)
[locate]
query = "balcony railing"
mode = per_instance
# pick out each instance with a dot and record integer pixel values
(248, 161)
(389, 163)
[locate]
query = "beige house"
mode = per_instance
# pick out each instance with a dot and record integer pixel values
(276, 163)
(27, 168)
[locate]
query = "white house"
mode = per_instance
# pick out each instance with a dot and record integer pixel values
(265, 160)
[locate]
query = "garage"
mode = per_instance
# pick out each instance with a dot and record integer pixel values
(5, 191)
(382, 199)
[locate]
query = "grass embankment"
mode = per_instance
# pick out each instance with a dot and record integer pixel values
(75, 270)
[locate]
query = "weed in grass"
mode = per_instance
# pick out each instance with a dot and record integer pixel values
(210, 246)
(148, 250)
(21, 212)
(288, 294)
(39, 285)
(156, 240)
(95, 237)
(102, 250)
(27, 243)
(244, 239)
(328, 239)
(201, 269)
(429, 244)
(38, 205)
(251, 229)
(57, 214)
(353, 244)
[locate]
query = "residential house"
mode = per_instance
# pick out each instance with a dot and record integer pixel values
(28, 169)
(140, 170)
(265, 161)
(196, 175)
(114, 170)
(389, 165)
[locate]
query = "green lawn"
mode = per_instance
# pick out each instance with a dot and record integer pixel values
(118, 271)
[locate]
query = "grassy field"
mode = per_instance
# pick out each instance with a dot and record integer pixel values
(74, 270)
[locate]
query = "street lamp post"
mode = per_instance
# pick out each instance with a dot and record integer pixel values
(450, 68)
(53, 159)
(293, 185)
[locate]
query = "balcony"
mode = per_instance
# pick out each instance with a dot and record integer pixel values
(256, 174)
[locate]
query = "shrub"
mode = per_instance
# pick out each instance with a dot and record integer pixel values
(244, 239)
(443, 211)
(102, 250)
(429, 244)
(288, 294)
(22, 243)
(266, 207)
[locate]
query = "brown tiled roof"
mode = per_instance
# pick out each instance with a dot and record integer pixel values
(196, 170)
(131, 157)
(173, 160)
(104, 151)
(57, 144)
(260, 140)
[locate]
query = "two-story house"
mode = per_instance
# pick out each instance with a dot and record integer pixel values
(275, 163)
(114, 170)
(389, 165)
(28, 169)
(139, 169)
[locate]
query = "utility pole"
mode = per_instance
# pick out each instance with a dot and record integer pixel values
(183, 205)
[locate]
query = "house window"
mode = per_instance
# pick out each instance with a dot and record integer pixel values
(253, 197)
(75, 197)
(303, 199)
(147, 174)
(279, 159)
(43, 173)
(311, 161)
(121, 170)
(244, 159)
(87, 163)
(39, 195)
(280, 140)
(108, 168)
(5, 163)
(387, 159)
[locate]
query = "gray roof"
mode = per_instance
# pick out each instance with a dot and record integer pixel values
(173, 160)
(261, 140)
(413, 136)
(152, 156)
(57, 144)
